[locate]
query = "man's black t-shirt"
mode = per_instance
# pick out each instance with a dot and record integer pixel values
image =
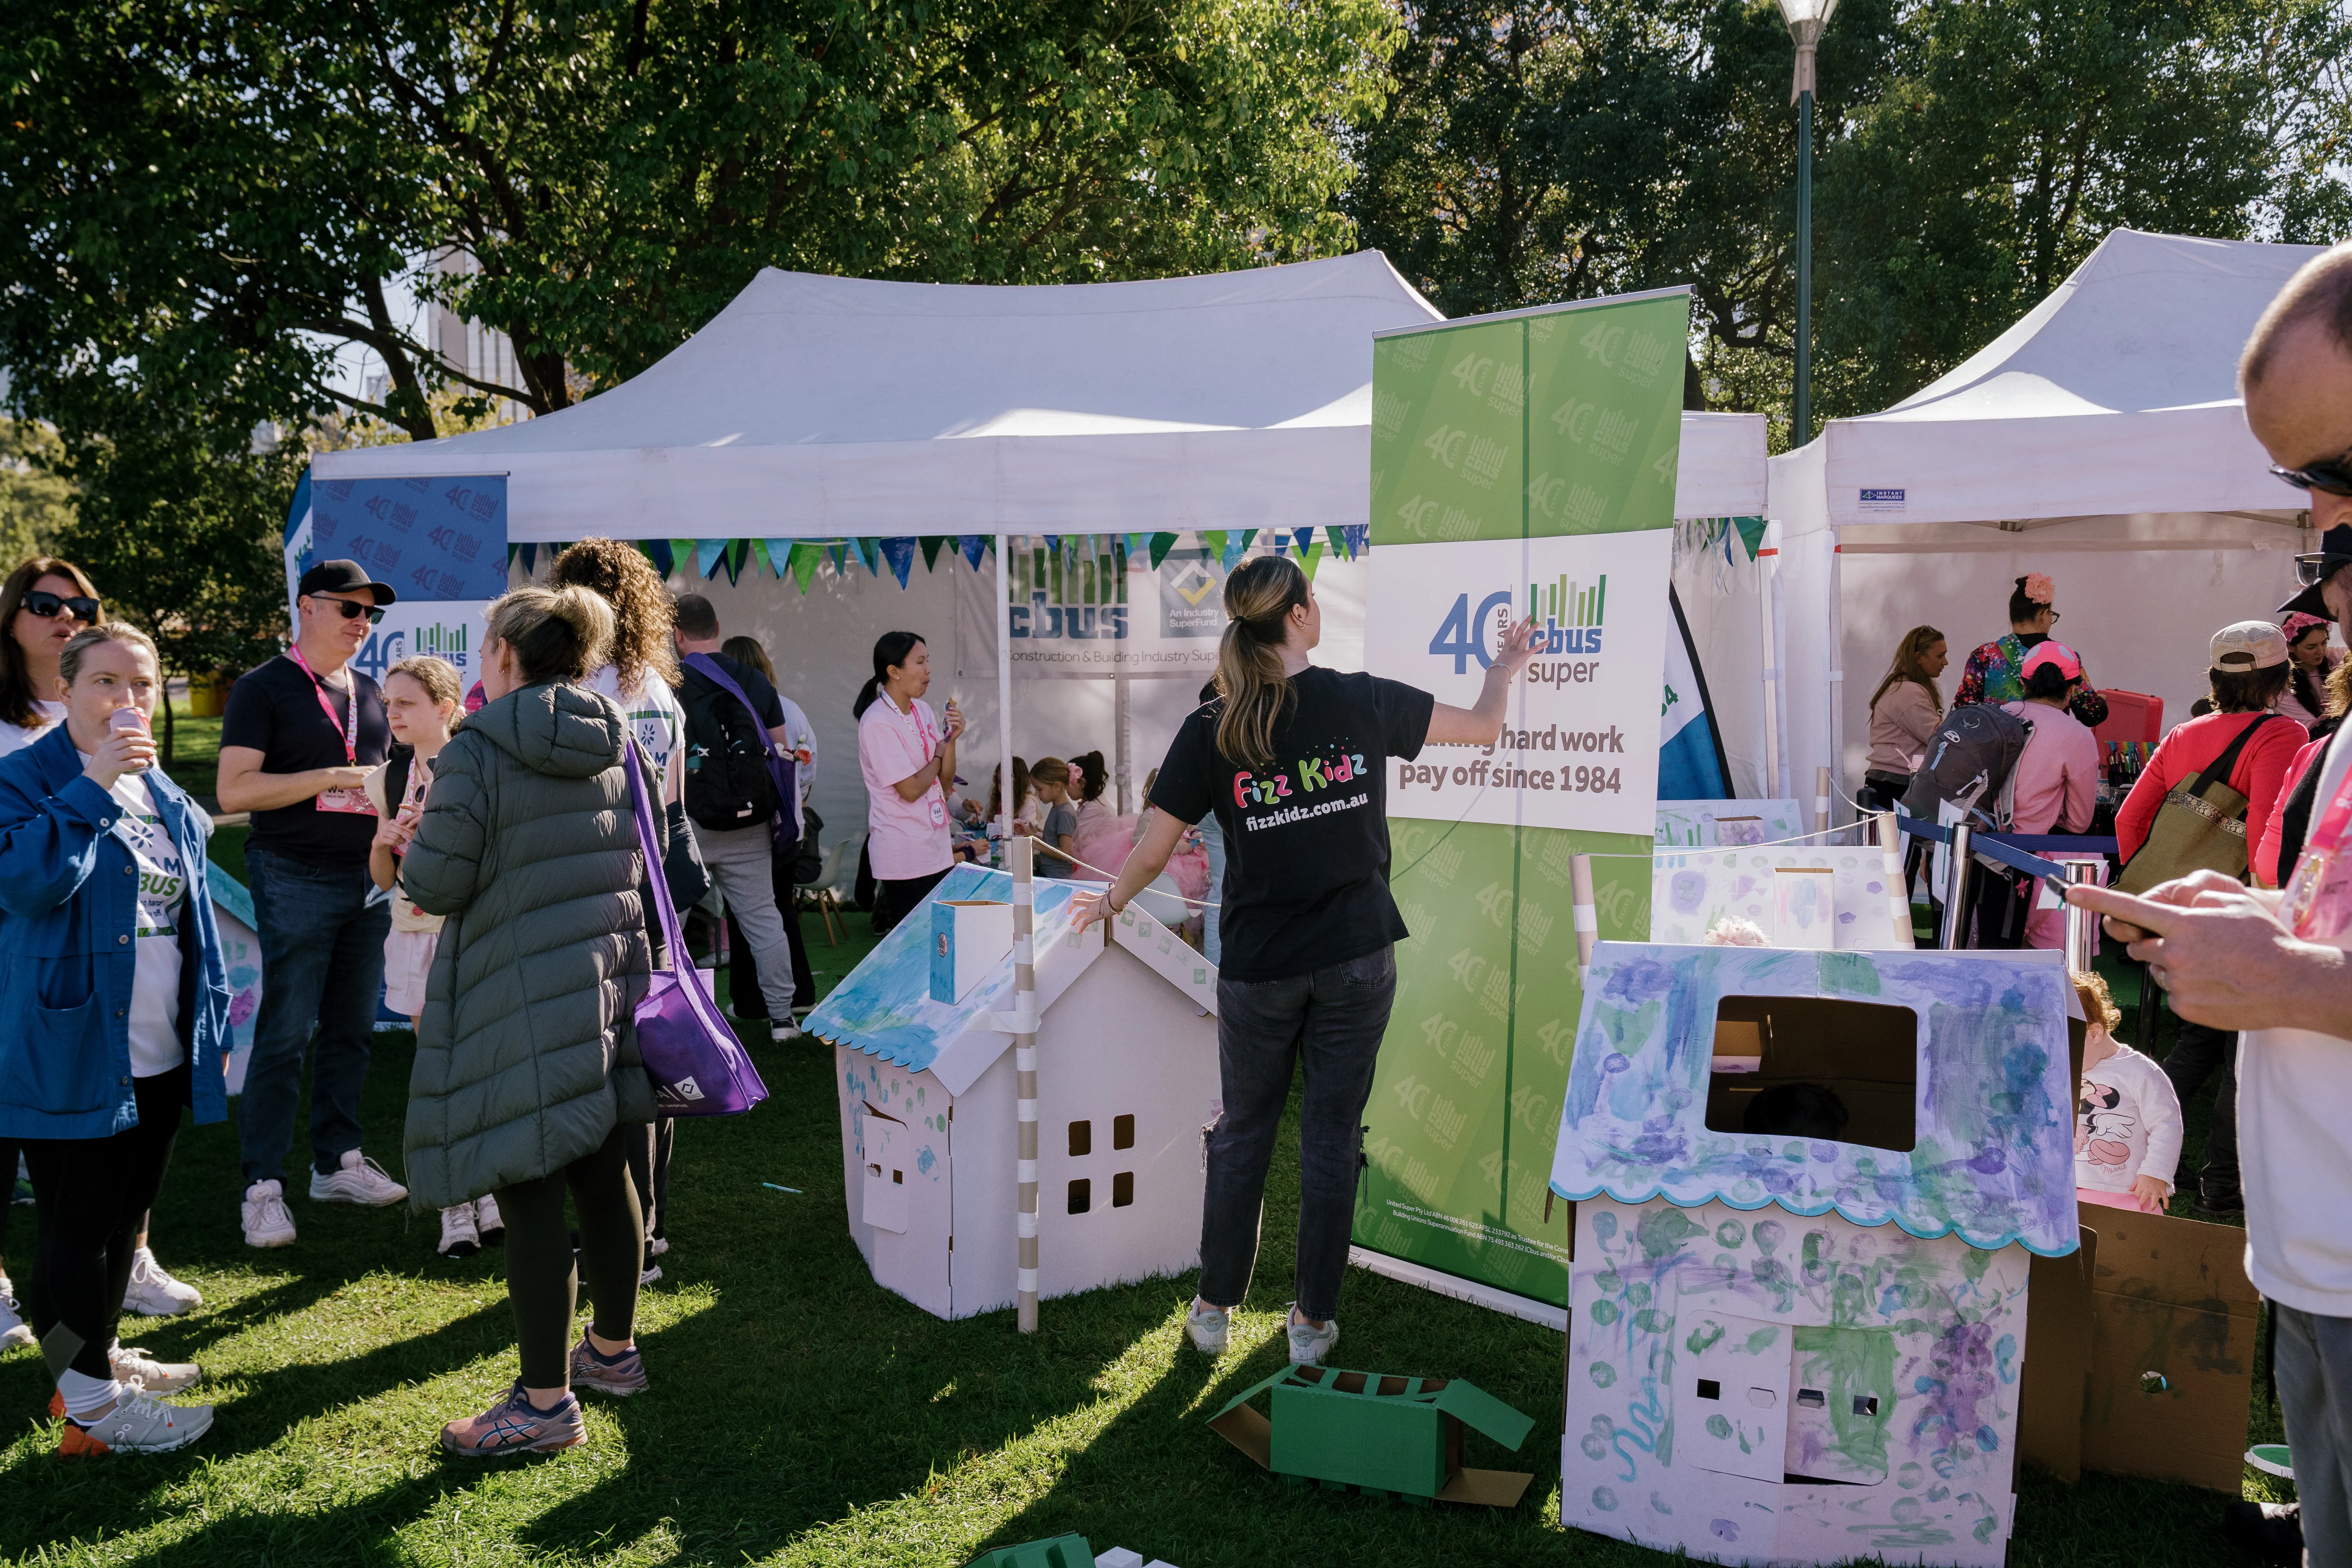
(1306, 840)
(275, 710)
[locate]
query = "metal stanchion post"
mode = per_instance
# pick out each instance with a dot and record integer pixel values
(2081, 923)
(1956, 891)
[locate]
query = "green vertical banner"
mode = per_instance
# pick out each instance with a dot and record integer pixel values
(1522, 465)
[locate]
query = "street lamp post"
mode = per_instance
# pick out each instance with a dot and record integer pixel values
(1806, 18)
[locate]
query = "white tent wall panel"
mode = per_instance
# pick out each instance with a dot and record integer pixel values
(1724, 601)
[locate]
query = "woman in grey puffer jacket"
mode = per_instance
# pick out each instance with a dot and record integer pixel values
(527, 1081)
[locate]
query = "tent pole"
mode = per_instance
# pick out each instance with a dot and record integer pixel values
(1837, 674)
(1004, 689)
(1120, 728)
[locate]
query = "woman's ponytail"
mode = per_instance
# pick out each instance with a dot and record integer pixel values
(1259, 596)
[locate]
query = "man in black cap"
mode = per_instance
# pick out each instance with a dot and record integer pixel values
(299, 736)
(2277, 966)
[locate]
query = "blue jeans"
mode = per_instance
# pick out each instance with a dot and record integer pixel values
(321, 965)
(1213, 839)
(1329, 1024)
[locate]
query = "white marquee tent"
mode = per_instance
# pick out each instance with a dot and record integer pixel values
(2100, 440)
(825, 407)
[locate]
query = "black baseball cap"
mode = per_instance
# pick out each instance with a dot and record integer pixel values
(346, 577)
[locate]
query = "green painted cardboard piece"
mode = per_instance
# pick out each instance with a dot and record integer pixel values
(1383, 1434)
(1062, 1551)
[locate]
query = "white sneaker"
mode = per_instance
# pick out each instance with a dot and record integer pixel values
(136, 1365)
(652, 1273)
(267, 1221)
(656, 1245)
(1207, 1329)
(1310, 1344)
(361, 1180)
(137, 1425)
(14, 1329)
(488, 1224)
(784, 1034)
(155, 1294)
(460, 1237)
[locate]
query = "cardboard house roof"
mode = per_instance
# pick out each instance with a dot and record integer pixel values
(884, 1007)
(1994, 1156)
(2115, 395)
(819, 406)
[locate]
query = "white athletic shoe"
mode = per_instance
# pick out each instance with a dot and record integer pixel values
(135, 1365)
(460, 1235)
(784, 1034)
(1310, 1344)
(14, 1329)
(652, 1273)
(1207, 1329)
(155, 1294)
(267, 1221)
(361, 1180)
(487, 1225)
(656, 1245)
(138, 1424)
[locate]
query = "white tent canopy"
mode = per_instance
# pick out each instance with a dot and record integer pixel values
(2104, 425)
(817, 408)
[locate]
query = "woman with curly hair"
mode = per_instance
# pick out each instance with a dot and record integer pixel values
(1995, 673)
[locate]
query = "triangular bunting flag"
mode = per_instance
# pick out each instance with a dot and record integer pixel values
(869, 549)
(931, 542)
(1306, 538)
(1751, 533)
(1214, 538)
(530, 558)
(972, 545)
(1161, 544)
(732, 558)
(707, 553)
(657, 552)
(762, 559)
(681, 551)
(1138, 546)
(840, 553)
(900, 554)
(1310, 558)
(1338, 535)
(802, 561)
(1360, 537)
(1237, 540)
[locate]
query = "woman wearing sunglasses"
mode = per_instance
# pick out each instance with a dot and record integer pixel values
(1995, 673)
(42, 604)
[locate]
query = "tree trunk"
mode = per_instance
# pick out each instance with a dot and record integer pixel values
(170, 756)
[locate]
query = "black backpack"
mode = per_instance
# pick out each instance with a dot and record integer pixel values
(1972, 762)
(727, 781)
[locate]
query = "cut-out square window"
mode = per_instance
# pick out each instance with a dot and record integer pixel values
(898, 1178)
(1708, 1388)
(1122, 1189)
(1812, 1398)
(1866, 1405)
(1081, 1140)
(1082, 1195)
(1122, 1132)
(1816, 1070)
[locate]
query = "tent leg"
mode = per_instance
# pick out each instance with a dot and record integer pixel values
(1120, 728)
(1004, 689)
(1837, 674)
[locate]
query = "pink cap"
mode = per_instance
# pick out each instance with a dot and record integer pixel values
(2069, 662)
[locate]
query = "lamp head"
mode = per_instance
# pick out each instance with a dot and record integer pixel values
(1806, 18)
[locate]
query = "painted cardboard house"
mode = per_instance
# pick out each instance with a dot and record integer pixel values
(1126, 1081)
(1804, 1343)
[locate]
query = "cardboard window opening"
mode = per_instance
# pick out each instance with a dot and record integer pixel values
(1864, 1053)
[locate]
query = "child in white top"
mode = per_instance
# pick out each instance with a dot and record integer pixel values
(2127, 1120)
(421, 697)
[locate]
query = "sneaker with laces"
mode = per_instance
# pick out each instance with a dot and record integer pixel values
(1207, 1328)
(652, 1272)
(14, 1329)
(1310, 1344)
(139, 1424)
(155, 1294)
(514, 1425)
(487, 1225)
(137, 1365)
(360, 1181)
(460, 1235)
(619, 1375)
(267, 1221)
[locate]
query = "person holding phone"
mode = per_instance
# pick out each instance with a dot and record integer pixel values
(908, 757)
(301, 733)
(110, 959)
(1310, 928)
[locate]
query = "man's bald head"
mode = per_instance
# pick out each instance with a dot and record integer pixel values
(2319, 298)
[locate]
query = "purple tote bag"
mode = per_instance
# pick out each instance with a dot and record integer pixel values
(696, 1065)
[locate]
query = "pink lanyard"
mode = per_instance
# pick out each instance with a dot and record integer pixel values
(350, 727)
(2320, 869)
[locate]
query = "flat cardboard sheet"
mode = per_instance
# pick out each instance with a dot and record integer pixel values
(2056, 1383)
(2170, 1297)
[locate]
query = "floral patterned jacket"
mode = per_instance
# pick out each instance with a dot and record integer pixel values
(1995, 673)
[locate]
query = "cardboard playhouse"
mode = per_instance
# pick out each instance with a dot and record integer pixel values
(1127, 1084)
(1789, 1347)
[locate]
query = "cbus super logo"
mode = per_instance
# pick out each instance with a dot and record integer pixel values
(1567, 613)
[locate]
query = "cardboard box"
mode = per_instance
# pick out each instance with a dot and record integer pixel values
(2172, 1357)
(1382, 1434)
(1062, 1551)
(970, 937)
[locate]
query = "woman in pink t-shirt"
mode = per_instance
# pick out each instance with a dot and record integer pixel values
(2058, 773)
(906, 758)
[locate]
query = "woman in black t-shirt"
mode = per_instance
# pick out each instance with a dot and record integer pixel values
(1294, 761)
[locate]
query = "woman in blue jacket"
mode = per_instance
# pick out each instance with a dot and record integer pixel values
(111, 978)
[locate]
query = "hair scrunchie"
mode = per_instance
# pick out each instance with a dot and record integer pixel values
(2039, 588)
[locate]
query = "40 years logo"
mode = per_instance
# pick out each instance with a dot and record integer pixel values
(1568, 615)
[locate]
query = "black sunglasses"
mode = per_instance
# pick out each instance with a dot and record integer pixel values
(2334, 475)
(351, 612)
(46, 604)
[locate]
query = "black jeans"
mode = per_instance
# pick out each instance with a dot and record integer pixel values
(1329, 1023)
(2198, 1053)
(91, 1197)
(542, 1281)
(743, 981)
(894, 901)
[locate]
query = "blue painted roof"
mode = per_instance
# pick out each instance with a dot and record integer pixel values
(884, 1007)
(1994, 1159)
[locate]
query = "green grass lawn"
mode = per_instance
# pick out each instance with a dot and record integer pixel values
(798, 1413)
(195, 749)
